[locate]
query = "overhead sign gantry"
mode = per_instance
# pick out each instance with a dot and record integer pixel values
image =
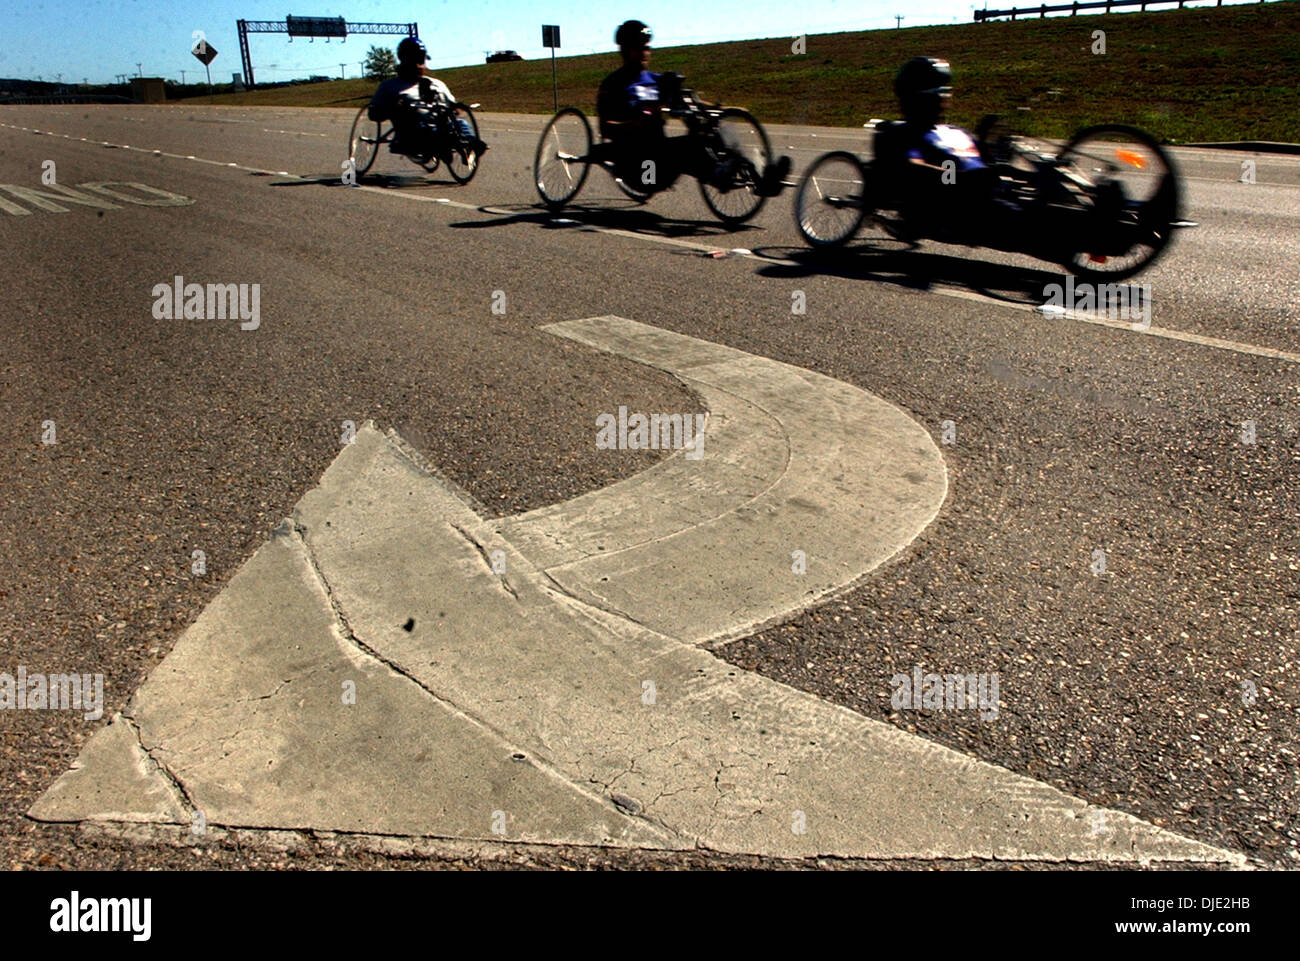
(312, 27)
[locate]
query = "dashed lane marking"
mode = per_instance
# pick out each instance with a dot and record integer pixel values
(1165, 333)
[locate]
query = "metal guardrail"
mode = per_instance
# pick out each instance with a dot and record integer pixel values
(1073, 8)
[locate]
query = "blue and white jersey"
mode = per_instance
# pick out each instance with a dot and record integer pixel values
(945, 142)
(629, 96)
(384, 104)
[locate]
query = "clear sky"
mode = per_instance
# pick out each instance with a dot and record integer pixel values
(98, 39)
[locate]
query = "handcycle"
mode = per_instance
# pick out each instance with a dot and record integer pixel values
(733, 145)
(452, 148)
(1103, 206)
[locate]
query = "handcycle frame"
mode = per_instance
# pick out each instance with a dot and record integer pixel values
(703, 121)
(1057, 212)
(441, 114)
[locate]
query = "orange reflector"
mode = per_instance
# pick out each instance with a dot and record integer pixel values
(1131, 157)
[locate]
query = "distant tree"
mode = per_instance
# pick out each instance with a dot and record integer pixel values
(380, 64)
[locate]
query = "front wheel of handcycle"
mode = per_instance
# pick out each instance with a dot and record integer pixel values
(364, 141)
(743, 154)
(1133, 194)
(832, 199)
(462, 158)
(560, 166)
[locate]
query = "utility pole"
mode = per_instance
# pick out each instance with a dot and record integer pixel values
(899, 24)
(182, 78)
(138, 71)
(342, 73)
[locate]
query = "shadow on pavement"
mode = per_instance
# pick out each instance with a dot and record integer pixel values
(909, 265)
(383, 181)
(615, 214)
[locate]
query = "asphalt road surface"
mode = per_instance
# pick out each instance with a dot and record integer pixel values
(1163, 685)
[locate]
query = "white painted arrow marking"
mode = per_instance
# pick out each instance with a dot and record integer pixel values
(567, 699)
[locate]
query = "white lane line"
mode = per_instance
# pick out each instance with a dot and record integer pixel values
(709, 250)
(1127, 326)
(1234, 180)
(249, 123)
(1189, 338)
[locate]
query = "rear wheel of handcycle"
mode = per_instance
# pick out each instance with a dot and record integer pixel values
(1133, 187)
(558, 168)
(746, 154)
(462, 161)
(831, 203)
(363, 142)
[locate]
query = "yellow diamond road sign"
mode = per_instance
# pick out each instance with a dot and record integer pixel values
(205, 52)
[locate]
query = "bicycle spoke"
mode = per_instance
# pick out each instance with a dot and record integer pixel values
(830, 205)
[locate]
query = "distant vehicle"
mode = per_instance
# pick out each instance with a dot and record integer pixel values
(503, 56)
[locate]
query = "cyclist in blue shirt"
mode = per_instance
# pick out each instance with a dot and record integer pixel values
(631, 103)
(945, 177)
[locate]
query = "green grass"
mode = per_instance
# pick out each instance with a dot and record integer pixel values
(1210, 73)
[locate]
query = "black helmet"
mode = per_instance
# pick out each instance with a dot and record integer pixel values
(633, 33)
(411, 50)
(923, 75)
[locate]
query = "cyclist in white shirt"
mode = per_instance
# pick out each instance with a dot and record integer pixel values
(403, 100)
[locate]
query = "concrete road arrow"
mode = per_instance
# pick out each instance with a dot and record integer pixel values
(393, 663)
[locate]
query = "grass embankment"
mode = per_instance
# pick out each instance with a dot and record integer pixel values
(1212, 73)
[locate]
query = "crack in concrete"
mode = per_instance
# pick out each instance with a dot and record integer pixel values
(667, 794)
(487, 560)
(622, 774)
(345, 627)
(181, 794)
(266, 697)
(596, 603)
(199, 718)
